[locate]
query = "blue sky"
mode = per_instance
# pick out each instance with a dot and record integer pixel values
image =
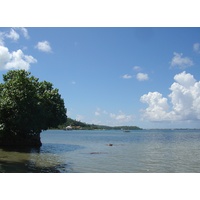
(148, 77)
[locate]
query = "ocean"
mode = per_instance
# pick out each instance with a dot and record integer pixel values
(108, 151)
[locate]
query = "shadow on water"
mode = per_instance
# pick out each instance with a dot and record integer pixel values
(21, 149)
(45, 148)
(28, 167)
(59, 148)
(46, 159)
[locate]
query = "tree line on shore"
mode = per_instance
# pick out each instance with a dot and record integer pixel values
(78, 125)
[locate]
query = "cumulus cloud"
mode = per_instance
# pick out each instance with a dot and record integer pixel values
(44, 46)
(142, 77)
(24, 32)
(126, 76)
(114, 119)
(4, 56)
(121, 117)
(12, 35)
(1, 38)
(158, 107)
(184, 98)
(99, 112)
(14, 60)
(196, 47)
(184, 79)
(181, 62)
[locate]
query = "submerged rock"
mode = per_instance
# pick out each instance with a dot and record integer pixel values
(98, 153)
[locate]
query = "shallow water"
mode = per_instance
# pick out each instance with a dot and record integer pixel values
(108, 151)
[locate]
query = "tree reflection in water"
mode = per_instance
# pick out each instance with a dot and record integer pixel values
(45, 159)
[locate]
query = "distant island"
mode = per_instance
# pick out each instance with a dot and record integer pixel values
(72, 124)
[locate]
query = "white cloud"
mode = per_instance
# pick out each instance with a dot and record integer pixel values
(181, 62)
(13, 35)
(142, 77)
(196, 47)
(126, 76)
(137, 68)
(186, 80)
(4, 56)
(185, 101)
(14, 60)
(158, 106)
(121, 117)
(44, 46)
(99, 112)
(112, 119)
(2, 38)
(24, 32)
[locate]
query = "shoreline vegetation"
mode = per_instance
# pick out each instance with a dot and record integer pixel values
(27, 107)
(72, 124)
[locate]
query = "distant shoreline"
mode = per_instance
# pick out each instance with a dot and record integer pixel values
(138, 128)
(122, 128)
(77, 125)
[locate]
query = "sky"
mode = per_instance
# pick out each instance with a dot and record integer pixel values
(146, 77)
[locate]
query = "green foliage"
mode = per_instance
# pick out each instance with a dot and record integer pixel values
(28, 106)
(84, 126)
(71, 122)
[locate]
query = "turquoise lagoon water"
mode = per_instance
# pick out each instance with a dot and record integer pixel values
(144, 151)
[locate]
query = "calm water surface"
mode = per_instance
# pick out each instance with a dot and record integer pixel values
(91, 151)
